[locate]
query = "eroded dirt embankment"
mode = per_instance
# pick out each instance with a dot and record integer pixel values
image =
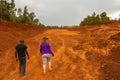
(89, 53)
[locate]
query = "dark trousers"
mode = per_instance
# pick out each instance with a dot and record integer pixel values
(22, 65)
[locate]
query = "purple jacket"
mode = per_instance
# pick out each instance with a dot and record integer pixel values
(45, 49)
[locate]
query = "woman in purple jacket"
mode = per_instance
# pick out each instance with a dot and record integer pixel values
(46, 52)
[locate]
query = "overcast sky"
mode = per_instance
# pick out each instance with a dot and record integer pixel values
(68, 12)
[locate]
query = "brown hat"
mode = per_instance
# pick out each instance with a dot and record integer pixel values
(45, 38)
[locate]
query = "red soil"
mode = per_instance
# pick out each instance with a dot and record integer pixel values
(86, 53)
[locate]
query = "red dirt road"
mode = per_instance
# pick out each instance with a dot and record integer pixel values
(87, 53)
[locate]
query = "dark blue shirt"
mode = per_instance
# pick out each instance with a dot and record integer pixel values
(21, 50)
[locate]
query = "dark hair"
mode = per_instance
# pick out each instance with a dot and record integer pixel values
(21, 40)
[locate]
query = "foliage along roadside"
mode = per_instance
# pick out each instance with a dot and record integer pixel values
(98, 19)
(10, 13)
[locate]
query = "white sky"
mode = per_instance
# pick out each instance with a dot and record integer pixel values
(69, 12)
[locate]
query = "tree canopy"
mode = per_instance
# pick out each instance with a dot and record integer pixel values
(10, 13)
(97, 19)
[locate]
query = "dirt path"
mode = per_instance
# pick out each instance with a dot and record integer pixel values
(85, 53)
(34, 65)
(77, 55)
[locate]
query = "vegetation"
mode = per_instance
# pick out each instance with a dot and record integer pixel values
(10, 13)
(97, 19)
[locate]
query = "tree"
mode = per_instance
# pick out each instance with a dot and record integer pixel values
(104, 17)
(4, 10)
(20, 16)
(12, 7)
(94, 15)
(36, 21)
(89, 20)
(19, 11)
(25, 15)
(10, 13)
(95, 19)
(32, 16)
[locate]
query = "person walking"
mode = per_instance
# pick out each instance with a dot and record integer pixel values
(46, 52)
(20, 54)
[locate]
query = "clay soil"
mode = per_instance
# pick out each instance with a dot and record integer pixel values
(85, 53)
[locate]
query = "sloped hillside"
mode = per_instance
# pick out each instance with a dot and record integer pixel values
(86, 53)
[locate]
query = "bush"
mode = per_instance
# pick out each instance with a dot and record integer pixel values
(95, 19)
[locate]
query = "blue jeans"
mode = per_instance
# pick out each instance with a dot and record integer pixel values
(22, 65)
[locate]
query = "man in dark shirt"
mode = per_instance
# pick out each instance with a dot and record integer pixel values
(20, 54)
